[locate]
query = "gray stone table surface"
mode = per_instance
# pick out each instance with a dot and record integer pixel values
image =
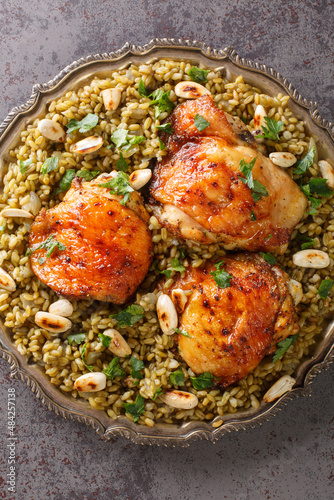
(291, 455)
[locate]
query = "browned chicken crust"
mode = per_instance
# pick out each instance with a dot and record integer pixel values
(108, 245)
(198, 193)
(232, 329)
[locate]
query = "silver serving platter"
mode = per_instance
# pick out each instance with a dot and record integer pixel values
(77, 74)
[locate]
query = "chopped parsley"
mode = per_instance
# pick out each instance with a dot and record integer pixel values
(308, 242)
(242, 118)
(50, 244)
(167, 128)
(122, 141)
(119, 185)
(184, 333)
(221, 277)
(49, 165)
(129, 316)
(24, 164)
(162, 146)
(114, 369)
(66, 181)
(268, 258)
(166, 272)
(142, 89)
(161, 102)
(136, 365)
(135, 409)
(272, 129)
(88, 175)
(157, 393)
(121, 164)
(305, 163)
(257, 189)
(283, 346)
(87, 123)
(41, 261)
(177, 378)
(105, 339)
(253, 216)
(78, 338)
(200, 122)
(198, 75)
(318, 187)
(89, 367)
(268, 237)
(177, 266)
(203, 381)
(325, 287)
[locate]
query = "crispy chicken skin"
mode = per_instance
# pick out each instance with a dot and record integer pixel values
(198, 194)
(232, 329)
(108, 245)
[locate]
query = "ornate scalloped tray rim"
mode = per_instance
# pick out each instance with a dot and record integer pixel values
(123, 427)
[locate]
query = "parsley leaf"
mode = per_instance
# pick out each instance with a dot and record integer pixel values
(119, 185)
(156, 394)
(308, 242)
(136, 365)
(134, 139)
(177, 266)
(89, 367)
(105, 339)
(161, 102)
(142, 89)
(167, 128)
(268, 258)
(272, 129)
(129, 316)
(203, 381)
(184, 333)
(305, 163)
(87, 123)
(242, 118)
(200, 122)
(50, 244)
(135, 409)
(177, 378)
(198, 75)
(221, 277)
(88, 175)
(66, 181)
(24, 164)
(253, 216)
(78, 338)
(162, 146)
(319, 187)
(325, 287)
(41, 261)
(119, 137)
(166, 272)
(49, 165)
(121, 164)
(114, 369)
(257, 189)
(283, 346)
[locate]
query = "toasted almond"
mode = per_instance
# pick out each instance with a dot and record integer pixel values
(16, 212)
(190, 90)
(91, 382)
(167, 314)
(6, 281)
(34, 204)
(179, 299)
(327, 172)
(259, 115)
(52, 130)
(139, 178)
(311, 258)
(52, 322)
(284, 160)
(111, 98)
(62, 307)
(180, 399)
(296, 290)
(283, 385)
(87, 145)
(118, 344)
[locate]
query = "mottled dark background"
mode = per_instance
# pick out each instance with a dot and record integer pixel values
(291, 455)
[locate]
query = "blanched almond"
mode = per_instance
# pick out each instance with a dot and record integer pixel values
(179, 299)
(311, 258)
(118, 344)
(6, 281)
(327, 172)
(16, 212)
(52, 130)
(62, 307)
(91, 382)
(111, 98)
(180, 399)
(284, 160)
(258, 118)
(283, 385)
(190, 90)
(139, 178)
(167, 314)
(52, 322)
(87, 145)
(296, 290)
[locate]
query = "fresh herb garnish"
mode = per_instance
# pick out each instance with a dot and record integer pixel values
(89, 367)
(319, 187)
(257, 189)
(132, 140)
(203, 381)
(49, 165)
(198, 75)
(162, 146)
(167, 128)
(325, 287)
(177, 378)
(305, 163)
(50, 244)
(242, 118)
(200, 122)
(78, 338)
(136, 365)
(88, 175)
(24, 164)
(41, 261)
(121, 164)
(184, 333)
(135, 409)
(253, 216)
(177, 266)
(308, 242)
(272, 129)
(105, 339)
(142, 89)
(65, 182)
(114, 369)
(268, 258)
(129, 316)
(268, 237)
(119, 185)
(221, 277)
(122, 141)
(166, 272)
(87, 123)
(283, 346)
(156, 394)
(162, 102)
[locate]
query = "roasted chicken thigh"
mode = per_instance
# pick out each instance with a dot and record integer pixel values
(104, 249)
(231, 329)
(199, 192)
